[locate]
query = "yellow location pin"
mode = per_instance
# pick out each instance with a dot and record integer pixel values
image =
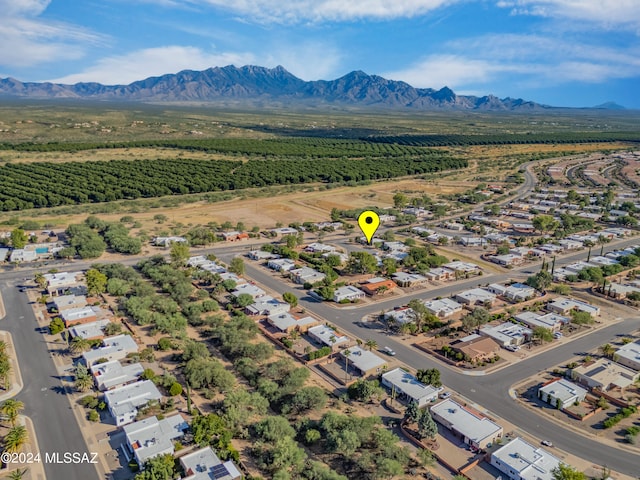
(368, 222)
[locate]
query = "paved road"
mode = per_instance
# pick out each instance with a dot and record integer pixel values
(45, 403)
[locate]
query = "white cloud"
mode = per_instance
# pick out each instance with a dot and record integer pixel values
(28, 40)
(293, 11)
(523, 60)
(308, 60)
(606, 13)
(148, 62)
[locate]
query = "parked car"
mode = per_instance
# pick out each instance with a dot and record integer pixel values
(557, 335)
(547, 443)
(389, 351)
(445, 395)
(512, 348)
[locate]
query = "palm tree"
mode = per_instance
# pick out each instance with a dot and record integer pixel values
(18, 474)
(371, 344)
(346, 354)
(40, 280)
(79, 345)
(11, 409)
(607, 350)
(15, 439)
(83, 383)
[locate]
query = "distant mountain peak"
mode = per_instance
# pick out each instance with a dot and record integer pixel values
(253, 82)
(610, 105)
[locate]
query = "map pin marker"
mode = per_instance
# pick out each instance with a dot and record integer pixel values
(368, 222)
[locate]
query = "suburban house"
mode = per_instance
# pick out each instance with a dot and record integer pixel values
(476, 296)
(507, 333)
(59, 283)
(400, 315)
(261, 255)
(123, 402)
(552, 321)
(562, 392)
(604, 374)
(249, 289)
(471, 426)
(366, 362)
(285, 231)
(306, 275)
(508, 259)
(564, 306)
(286, 323)
(519, 460)
(234, 236)
(409, 279)
(326, 336)
(319, 248)
(516, 292)
(443, 308)
(167, 241)
(408, 388)
(232, 276)
(629, 355)
(476, 347)
(74, 316)
(204, 464)
(281, 264)
(462, 267)
(440, 274)
(114, 348)
(619, 291)
(65, 302)
(203, 263)
(348, 292)
(267, 305)
(377, 285)
(89, 331)
(151, 437)
(111, 375)
(19, 255)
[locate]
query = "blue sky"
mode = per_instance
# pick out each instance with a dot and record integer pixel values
(559, 52)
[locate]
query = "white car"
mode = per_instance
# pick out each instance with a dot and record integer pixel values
(546, 443)
(445, 395)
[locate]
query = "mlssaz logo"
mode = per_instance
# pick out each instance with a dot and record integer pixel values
(71, 457)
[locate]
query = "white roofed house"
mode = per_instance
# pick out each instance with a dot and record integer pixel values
(407, 387)
(519, 460)
(551, 321)
(327, 336)
(564, 306)
(267, 305)
(443, 308)
(114, 348)
(440, 274)
(516, 292)
(462, 266)
(151, 437)
(113, 374)
(475, 296)
(348, 292)
(65, 302)
(507, 333)
(59, 283)
(306, 275)
(167, 241)
(629, 355)
(204, 464)
(261, 255)
(89, 331)
(604, 375)
(249, 289)
(560, 391)
(366, 362)
(286, 323)
(124, 402)
(281, 264)
(409, 279)
(471, 426)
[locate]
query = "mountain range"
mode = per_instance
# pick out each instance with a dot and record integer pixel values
(250, 83)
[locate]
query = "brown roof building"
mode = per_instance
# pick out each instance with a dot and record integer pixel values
(475, 347)
(377, 285)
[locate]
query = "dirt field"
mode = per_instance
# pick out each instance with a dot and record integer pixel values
(267, 212)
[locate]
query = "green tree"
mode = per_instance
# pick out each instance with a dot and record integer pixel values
(10, 409)
(545, 223)
(162, 467)
(175, 389)
(56, 326)
(18, 474)
(361, 262)
(540, 281)
(389, 266)
(306, 399)
(243, 300)
(607, 350)
(543, 334)
(179, 253)
(427, 427)
(96, 281)
(429, 376)
(371, 344)
(274, 428)
(79, 345)
(400, 200)
(237, 266)
(290, 298)
(18, 238)
(15, 439)
(566, 472)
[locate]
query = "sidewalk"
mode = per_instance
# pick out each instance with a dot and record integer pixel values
(15, 375)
